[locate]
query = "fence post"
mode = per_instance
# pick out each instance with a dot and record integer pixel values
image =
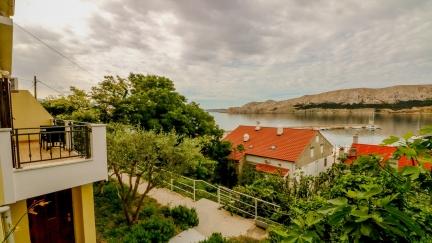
(172, 184)
(218, 195)
(194, 198)
(256, 209)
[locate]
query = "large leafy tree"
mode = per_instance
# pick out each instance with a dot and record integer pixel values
(136, 156)
(148, 101)
(75, 106)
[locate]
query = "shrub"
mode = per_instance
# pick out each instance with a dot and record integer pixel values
(215, 238)
(155, 229)
(218, 238)
(184, 217)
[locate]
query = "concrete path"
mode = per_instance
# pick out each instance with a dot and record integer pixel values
(211, 218)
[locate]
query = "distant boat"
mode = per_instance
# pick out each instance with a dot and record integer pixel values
(371, 126)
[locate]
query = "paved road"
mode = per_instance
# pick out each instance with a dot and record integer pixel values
(211, 218)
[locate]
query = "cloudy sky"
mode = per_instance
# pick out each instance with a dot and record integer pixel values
(226, 52)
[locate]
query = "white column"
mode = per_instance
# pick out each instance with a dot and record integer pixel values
(6, 167)
(99, 148)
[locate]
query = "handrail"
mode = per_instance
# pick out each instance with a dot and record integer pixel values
(226, 197)
(31, 145)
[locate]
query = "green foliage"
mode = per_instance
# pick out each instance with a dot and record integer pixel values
(218, 238)
(184, 217)
(148, 101)
(76, 106)
(225, 171)
(249, 175)
(156, 224)
(369, 201)
(154, 229)
(215, 238)
(146, 155)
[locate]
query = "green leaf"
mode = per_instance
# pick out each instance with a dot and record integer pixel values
(412, 171)
(366, 229)
(312, 219)
(405, 219)
(341, 201)
(385, 200)
(426, 130)
(391, 140)
(408, 135)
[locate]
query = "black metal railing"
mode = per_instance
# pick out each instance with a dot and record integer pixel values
(45, 143)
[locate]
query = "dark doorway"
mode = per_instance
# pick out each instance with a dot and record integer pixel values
(5, 103)
(53, 222)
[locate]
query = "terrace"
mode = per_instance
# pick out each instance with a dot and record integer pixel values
(48, 144)
(39, 160)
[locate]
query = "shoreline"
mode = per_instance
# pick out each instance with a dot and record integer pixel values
(414, 110)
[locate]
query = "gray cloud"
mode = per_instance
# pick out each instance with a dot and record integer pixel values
(229, 52)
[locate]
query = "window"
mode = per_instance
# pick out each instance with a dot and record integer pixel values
(312, 152)
(322, 148)
(325, 162)
(317, 138)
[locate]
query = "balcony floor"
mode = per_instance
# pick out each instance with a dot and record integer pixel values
(33, 153)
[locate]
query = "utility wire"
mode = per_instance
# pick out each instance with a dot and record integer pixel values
(56, 51)
(52, 88)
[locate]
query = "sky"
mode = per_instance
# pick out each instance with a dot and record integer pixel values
(223, 53)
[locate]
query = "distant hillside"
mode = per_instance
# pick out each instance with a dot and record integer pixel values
(395, 98)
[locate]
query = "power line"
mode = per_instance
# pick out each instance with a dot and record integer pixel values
(52, 88)
(56, 51)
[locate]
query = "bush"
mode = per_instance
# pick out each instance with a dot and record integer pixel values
(184, 217)
(218, 238)
(155, 229)
(215, 238)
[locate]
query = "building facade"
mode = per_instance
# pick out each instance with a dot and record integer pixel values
(281, 150)
(47, 167)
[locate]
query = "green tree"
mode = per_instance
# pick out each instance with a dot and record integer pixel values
(136, 156)
(109, 97)
(75, 106)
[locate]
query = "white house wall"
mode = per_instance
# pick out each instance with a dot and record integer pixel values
(268, 161)
(317, 166)
(51, 176)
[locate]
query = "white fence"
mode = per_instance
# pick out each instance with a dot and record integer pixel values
(233, 201)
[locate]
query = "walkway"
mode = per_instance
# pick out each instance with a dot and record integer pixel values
(211, 218)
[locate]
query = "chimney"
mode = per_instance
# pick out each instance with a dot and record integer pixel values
(246, 137)
(355, 138)
(279, 130)
(258, 126)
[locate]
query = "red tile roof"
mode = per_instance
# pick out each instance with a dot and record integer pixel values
(288, 146)
(271, 169)
(385, 151)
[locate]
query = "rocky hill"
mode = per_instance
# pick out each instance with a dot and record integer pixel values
(390, 98)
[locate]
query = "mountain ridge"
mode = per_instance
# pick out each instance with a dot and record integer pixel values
(393, 97)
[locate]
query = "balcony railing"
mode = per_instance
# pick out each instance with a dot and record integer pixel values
(30, 145)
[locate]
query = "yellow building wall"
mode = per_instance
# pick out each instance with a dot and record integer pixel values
(6, 47)
(27, 111)
(7, 7)
(83, 212)
(22, 232)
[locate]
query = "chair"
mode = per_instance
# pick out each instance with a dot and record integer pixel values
(52, 136)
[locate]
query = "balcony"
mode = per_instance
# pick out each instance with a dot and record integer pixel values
(44, 159)
(50, 143)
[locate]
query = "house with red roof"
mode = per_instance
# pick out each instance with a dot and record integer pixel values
(280, 150)
(385, 152)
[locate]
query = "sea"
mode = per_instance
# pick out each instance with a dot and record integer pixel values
(388, 124)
